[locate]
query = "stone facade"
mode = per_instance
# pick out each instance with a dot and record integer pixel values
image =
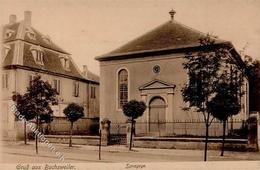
(26, 53)
(153, 63)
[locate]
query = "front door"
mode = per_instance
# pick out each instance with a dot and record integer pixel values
(157, 116)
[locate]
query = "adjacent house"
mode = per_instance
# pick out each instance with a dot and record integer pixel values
(149, 68)
(27, 52)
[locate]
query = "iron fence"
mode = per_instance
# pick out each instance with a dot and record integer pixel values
(177, 128)
(118, 133)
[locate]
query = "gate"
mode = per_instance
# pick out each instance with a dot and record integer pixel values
(117, 134)
(117, 139)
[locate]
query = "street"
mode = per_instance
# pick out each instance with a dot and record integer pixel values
(17, 152)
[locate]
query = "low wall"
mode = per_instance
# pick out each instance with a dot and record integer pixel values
(189, 143)
(61, 126)
(78, 140)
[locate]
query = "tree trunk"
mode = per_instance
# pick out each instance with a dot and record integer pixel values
(131, 135)
(223, 140)
(25, 135)
(99, 147)
(36, 135)
(71, 128)
(206, 142)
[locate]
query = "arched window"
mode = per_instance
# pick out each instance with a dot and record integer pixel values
(122, 87)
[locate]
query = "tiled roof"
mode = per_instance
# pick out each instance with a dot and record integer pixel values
(170, 35)
(13, 27)
(39, 40)
(20, 32)
(51, 62)
(8, 59)
(92, 76)
(20, 53)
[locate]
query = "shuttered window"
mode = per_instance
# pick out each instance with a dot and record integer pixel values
(93, 92)
(56, 85)
(5, 79)
(76, 89)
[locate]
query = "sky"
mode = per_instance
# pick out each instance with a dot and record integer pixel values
(89, 28)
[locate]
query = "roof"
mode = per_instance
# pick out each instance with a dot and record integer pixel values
(51, 63)
(20, 54)
(20, 29)
(92, 76)
(170, 35)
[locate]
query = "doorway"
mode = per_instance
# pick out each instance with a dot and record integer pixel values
(157, 116)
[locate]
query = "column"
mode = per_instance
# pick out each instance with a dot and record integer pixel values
(105, 132)
(169, 114)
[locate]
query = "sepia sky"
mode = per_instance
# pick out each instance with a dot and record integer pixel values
(88, 28)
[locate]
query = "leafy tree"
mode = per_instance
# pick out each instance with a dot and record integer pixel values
(226, 102)
(203, 69)
(73, 112)
(133, 109)
(24, 109)
(253, 72)
(36, 103)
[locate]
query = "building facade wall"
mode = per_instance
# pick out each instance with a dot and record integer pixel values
(140, 72)
(18, 81)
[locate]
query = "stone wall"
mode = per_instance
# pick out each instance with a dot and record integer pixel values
(189, 143)
(78, 140)
(61, 126)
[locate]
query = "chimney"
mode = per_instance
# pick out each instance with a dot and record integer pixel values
(85, 70)
(12, 19)
(27, 17)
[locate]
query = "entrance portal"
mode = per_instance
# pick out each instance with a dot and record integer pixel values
(157, 115)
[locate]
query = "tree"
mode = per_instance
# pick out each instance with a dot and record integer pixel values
(36, 103)
(133, 109)
(203, 70)
(253, 72)
(225, 103)
(73, 112)
(23, 107)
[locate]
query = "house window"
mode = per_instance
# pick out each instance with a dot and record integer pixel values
(6, 49)
(76, 89)
(8, 33)
(195, 86)
(93, 92)
(5, 78)
(31, 78)
(122, 87)
(65, 63)
(37, 54)
(30, 33)
(46, 39)
(56, 85)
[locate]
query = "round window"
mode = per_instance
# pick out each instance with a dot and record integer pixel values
(156, 69)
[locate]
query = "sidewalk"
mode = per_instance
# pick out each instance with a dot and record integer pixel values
(18, 152)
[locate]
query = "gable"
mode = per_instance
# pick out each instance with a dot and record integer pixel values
(156, 84)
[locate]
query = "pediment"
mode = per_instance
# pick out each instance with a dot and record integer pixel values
(156, 84)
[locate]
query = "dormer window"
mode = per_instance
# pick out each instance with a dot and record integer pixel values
(37, 54)
(46, 39)
(8, 33)
(6, 49)
(30, 34)
(65, 62)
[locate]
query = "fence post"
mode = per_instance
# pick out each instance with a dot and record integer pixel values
(99, 146)
(128, 131)
(105, 132)
(253, 125)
